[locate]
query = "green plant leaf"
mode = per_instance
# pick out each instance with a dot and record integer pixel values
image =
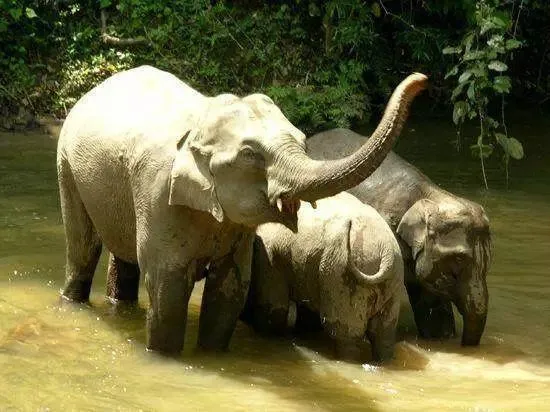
(481, 150)
(502, 84)
(452, 72)
(104, 3)
(465, 76)
(512, 44)
(512, 147)
(31, 14)
(15, 12)
(474, 55)
(375, 9)
(498, 66)
(451, 50)
(460, 109)
(458, 89)
(468, 41)
(471, 91)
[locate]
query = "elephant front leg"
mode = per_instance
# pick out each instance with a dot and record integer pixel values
(433, 314)
(122, 280)
(224, 296)
(169, 292)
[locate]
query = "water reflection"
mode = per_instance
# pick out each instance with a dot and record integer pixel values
(91, 358)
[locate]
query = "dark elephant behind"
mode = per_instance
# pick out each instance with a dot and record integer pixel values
(445, 239)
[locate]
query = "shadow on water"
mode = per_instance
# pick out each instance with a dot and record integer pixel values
(274, 364)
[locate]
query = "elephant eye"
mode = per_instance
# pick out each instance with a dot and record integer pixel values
(251, 158)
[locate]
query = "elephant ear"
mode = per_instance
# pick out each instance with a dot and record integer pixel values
(413, 227)
(191, 183)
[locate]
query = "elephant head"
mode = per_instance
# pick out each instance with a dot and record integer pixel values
(245, 162)
(451, 247)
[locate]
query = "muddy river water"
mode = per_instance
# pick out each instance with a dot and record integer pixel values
(89, 358)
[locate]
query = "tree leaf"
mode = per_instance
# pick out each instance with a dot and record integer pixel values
(31, 14)
(465, 76)
(375, 8)
(483, 150)
(471, 93)
(104, 3)
(451, 50)
(458, 89)
(474, 55)
(516, 148)
(468, 41)
(486, 26)
(512, 44)
(460, 109)
(498, 66)
(502, 84)
(15, 12)
(512, 147)
(452, 72)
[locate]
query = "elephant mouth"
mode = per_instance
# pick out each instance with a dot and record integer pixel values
(286, 210)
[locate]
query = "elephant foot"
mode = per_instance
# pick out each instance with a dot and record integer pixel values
(164, 336)
(77, 291)
(122, 281)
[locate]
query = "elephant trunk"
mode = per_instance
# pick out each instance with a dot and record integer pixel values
(473, 298)
(309, 180)
(474, 325)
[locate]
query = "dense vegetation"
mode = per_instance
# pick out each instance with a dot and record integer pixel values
(326, 63)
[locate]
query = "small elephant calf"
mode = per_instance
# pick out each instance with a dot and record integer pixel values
(343, 263)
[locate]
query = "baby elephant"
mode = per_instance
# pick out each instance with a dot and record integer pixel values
(343, 263)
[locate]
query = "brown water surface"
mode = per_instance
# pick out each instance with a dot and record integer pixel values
(88, 358)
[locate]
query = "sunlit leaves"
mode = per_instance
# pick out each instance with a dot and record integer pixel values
(31, 14)
(451, 50)
(497, 66)
(465, 76)
(482, 56)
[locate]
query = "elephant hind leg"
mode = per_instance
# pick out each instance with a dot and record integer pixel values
(122, 280)
(381, 331)
(83, 245)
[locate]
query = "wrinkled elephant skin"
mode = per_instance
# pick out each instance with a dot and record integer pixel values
(170, 180)
(343, 264)
(445, 239)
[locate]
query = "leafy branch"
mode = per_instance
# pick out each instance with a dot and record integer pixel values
(481, 77)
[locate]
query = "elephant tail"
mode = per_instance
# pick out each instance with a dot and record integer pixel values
(385, 269)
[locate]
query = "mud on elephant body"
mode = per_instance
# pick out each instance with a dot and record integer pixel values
(169, 179)
(445, 239)
(343, 264)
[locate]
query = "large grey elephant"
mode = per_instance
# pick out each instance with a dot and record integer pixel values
(169, 180)
(445, 239)
(343, 264)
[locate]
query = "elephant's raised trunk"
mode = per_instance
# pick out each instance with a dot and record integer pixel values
(309, 179)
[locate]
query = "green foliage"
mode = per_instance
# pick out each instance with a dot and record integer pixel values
(480, 71)
(326, 63)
